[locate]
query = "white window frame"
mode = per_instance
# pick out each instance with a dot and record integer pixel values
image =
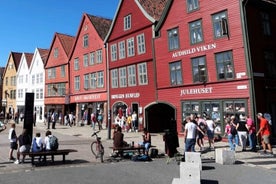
(92, 58)
(85, 60)
(76, 64)
(127, 22)
(113, 49)
(122, 49)
(142, 73)
(123, 77)
(131, 72)
(114, 78)
(85, 40)
(99, 54)
(141, 44)
(130, 47)
(77, 83)
(100, 79)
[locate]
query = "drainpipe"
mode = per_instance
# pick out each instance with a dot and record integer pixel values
(108, 93)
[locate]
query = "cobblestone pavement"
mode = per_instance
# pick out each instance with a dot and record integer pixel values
(79, 137)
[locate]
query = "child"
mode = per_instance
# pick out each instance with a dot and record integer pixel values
(13, 141)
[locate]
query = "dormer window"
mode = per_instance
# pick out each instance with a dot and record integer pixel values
(127, 22)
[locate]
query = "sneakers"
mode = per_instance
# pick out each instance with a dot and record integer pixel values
(17, 162)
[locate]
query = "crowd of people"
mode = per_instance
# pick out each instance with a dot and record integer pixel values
(24, 143)
(240, 130)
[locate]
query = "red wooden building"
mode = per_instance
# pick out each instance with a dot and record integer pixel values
(210, 59)
(132, 79)
(57, 74)
(88, 69)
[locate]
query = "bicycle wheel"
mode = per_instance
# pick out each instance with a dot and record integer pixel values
(94, 149)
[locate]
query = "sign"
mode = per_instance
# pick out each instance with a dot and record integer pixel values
(125, 96)
(195, 91)
(193, 50)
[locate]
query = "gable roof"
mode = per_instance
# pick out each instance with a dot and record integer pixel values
(164, 15)
(43, 54)
(152, 9)
(66, 43)
(16, 58)
(101, 25)
(29, 57)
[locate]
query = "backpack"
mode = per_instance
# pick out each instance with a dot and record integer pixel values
(35, 147)
(233, 130)
(136, 158)
(53, 140)
(153, 153)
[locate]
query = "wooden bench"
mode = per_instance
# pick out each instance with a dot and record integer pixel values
(121, 150)
(44, 154)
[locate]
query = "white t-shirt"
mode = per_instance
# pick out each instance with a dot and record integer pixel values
(191, 130)
(47, 142)
(210, 124)
(10, 135)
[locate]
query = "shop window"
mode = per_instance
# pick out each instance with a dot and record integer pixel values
(270, 64)
(225, 68)
(266, 24)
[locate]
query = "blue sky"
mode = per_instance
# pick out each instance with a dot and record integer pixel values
(30, 24)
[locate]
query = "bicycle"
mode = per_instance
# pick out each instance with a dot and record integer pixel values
(97, 148)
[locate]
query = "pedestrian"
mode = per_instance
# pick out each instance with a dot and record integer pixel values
(54, 118)
(134, 121)
(49, 119)
(200, 136)
(228, 133)
(93, 120)
(265, 133)
(210, 132)
(13, 141)
(24, 141)
(242, 131)
(37, 143)
(34, 119)
(190, 135)
(251, 133)
(100, 120)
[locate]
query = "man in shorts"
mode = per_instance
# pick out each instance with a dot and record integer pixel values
(265, 133)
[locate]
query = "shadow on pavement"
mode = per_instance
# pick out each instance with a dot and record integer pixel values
(209, 182)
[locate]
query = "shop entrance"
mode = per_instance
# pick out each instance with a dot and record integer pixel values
(158, 117)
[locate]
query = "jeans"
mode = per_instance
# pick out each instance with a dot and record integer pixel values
(243, 138)
(231, 140)
(252, 141)
(190, 145)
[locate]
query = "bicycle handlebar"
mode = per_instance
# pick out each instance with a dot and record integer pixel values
(95, 133)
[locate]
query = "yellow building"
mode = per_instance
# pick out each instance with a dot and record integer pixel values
(9, 84)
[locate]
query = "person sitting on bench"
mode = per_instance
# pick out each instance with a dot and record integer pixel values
(146, 141)
(118, 138)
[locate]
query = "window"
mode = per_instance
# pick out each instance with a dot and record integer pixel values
(41, 78)
(122, 76)
(20, 79)
(7, 81)
(51, 73)
(130, 47)
(77, 83)
(85, 60)
(196, 35)
(266, 23)
(192, 5)
(62, 68)
(173, 38)
(55, 52)
(220, 25)
(113, 52)
(131, 70)
(270, 64)
(199, 69)
(114, 78)
(176, 73)
(127, 22)
(122, 50)
(99, 56)
(85, 41)
(37, 94)
(142, 74)
(41, 95)
(37, 78)
(86, 81)
(100, 79)
(224, 65)
(76, 64)
(141, 44)
(93, 80)
(92, 58)
(33, 79)
(60, 89)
